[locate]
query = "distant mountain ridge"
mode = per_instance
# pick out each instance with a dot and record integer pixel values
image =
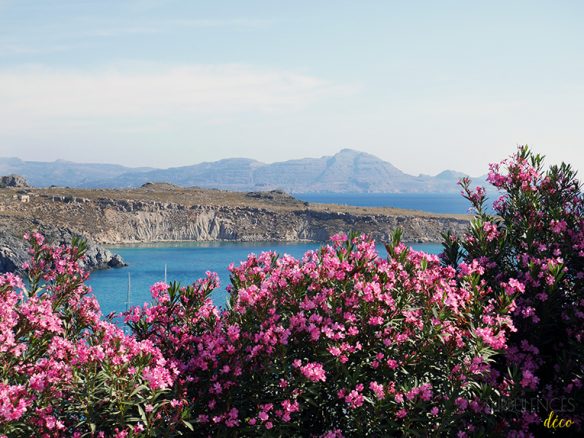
(348, 171)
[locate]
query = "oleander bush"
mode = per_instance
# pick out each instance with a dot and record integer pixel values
(485, 340)
(341, 342)
(64, 370)
(533, 242)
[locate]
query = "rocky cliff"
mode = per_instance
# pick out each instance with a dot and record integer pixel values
(162, 212)
(15, 221)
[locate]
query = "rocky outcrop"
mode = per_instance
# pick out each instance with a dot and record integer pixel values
(12, 254)
(14, 181)
(277, 217)
(98, 257)
(274, 196)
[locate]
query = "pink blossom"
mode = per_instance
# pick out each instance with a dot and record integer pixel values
(491, 231)
(377, 389)
(314, 372)
(402, 413)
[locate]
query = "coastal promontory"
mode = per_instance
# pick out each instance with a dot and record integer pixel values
(158, 212)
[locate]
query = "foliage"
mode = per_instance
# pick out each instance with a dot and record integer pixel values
(485, 340)
(64, 370)
(534, 244)
(342, 341)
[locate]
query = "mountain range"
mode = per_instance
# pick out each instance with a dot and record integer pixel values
(348, 171)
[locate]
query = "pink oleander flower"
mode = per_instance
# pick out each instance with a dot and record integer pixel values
(496, 341)
(354, 399)
(558, 226)
(461, 403)
(377, 389)
(402, 413)
(491, 231)
(314, 372)
(157, 288)
(513, 287)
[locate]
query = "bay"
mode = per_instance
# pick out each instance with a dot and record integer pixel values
(186, 262)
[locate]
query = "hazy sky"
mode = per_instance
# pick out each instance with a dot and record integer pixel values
(425, 85)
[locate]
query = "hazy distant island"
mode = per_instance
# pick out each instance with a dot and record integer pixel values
(348, 171)
(158, 212)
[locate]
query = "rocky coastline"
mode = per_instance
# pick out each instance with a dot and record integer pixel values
(163, 212)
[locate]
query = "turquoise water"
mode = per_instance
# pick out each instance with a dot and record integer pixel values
(185, 263)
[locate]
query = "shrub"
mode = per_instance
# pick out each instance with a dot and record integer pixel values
(66, 371)
(342, 341)
(534, 245)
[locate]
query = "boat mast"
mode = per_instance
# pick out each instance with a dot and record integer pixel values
(129, 297)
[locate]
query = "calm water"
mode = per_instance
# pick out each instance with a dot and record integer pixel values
(185, 262)
(431, 202)
(189, 261)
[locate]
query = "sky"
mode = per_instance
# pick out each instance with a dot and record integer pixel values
(426, 86)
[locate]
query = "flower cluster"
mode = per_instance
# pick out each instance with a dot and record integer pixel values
(533, 249)
(64, 370)
(343, 340)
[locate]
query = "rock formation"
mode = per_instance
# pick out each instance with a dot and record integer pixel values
(14, 181)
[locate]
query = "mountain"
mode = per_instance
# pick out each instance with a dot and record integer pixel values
(228, 174)
(450, 175)
(61, 172)
(348, 171)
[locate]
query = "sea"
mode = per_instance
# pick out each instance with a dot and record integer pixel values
(185, 262)
(452, 203)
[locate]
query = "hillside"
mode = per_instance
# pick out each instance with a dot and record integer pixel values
(348, 171)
